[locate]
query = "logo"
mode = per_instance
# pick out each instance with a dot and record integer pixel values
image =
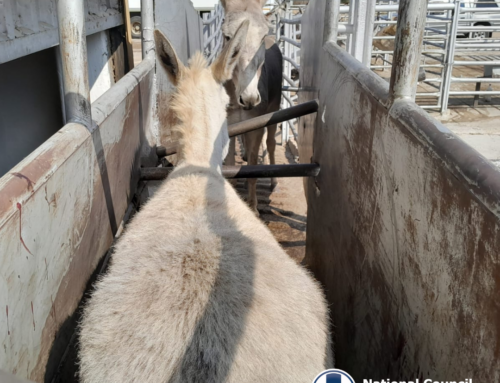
(334, 376)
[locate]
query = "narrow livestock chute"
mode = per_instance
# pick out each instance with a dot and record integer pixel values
(128, 252)
(64, 206)
(202, 303)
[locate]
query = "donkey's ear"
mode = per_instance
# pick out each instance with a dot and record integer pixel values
(167, 56)
(223, 67)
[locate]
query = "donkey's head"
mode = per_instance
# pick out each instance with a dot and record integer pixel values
(200, 99)
(248, 70)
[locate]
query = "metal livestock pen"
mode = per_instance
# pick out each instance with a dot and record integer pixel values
(403, 218)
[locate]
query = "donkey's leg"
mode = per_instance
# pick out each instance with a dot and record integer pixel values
(252, 144)
(271, 146)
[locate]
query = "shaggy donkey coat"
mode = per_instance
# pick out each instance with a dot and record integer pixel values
(198, 289)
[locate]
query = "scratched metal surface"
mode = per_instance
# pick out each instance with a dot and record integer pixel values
(403, 231)
(59, 209)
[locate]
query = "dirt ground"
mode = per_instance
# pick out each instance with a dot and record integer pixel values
(283, 210)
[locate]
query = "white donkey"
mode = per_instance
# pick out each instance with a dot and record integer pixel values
(198, 289)
(255, 87)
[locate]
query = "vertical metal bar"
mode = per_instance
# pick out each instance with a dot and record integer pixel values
(332, 10)
(287, 67)
(446, 43)
(353, 4)
(359, 29)
(73, 48)
(368, 40)
(448, 68)
(148, 26)
(408, 49)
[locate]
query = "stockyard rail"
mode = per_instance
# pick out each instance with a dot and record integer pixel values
(403, 219)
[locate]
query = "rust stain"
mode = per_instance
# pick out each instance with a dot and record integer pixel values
(22, 176)
(7, 313)
(20, 228)
(33, 315)
(53, 199)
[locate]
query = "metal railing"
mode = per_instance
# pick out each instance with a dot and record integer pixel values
(288, 18)
(452, 39)
(212, 34)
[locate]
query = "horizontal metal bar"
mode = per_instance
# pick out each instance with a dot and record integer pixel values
(439, 18)
(388, 22)
(477, 29)
(395, 7)
(296, 20)
(435, 51)
(476, 79)
(427, 38)
(476, 63)
(435, 30)
(482, 46)
(290, 88)
(434, 44)
(248, 171)
(256, 123)
(481, 10)
(290, 41)
(428, 94)
(429, 56)
(431, 66)
(472, 93)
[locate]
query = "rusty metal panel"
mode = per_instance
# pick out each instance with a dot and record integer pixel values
(59, 210)
(403, 231)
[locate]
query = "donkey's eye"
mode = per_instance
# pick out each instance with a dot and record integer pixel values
(227, 38)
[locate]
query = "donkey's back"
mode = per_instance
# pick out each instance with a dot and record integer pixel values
(207, 296)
